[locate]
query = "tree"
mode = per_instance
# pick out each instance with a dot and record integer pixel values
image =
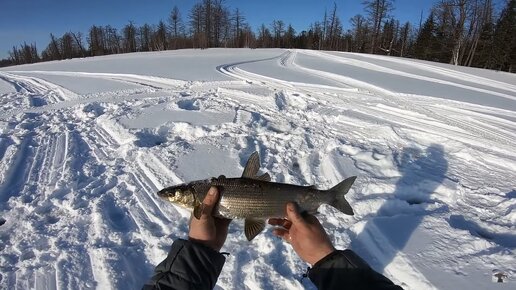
(197, 28)
(378, 10)
(145, 36)
(67, 46)
(78, 40)
(96, 41)
(289, 37)
(238, 24)
(112, 40)
(278, 30)
(54, 45)
(129, 37)
(176, 27)
(454, 15)
(359, 33)
(504, 39)
(389, 35)
(160, 37)
(424, 47)
(264, 37)
(25, 54)
(404, 39)
(333, 30)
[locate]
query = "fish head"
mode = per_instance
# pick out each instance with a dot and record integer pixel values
(183, 195)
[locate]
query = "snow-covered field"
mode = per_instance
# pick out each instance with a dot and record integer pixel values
(86, 143)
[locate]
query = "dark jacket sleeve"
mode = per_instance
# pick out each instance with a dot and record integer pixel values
(346, 270)
(189, 265)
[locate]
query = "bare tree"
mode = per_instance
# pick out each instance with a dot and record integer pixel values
(176, 27)
(239, 23)
(67, 46)
(359, 32)
(404, 38)
(78, 40)
(278, 29)
(453, 19)
(378, 10)
(129, 37)
(482, 14)
(333, 29)
(96, 41)
(160, 37)
(197, 28)
(112, 40)
(145, 36)
(55, 52)
(264, 37)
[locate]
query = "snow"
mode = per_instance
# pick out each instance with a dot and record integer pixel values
(85, 144)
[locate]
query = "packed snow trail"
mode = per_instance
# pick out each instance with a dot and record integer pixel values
(83, 152)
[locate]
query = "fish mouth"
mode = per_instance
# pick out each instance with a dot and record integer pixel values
(165, 193)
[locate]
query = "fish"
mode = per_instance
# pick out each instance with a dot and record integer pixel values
(255, 198)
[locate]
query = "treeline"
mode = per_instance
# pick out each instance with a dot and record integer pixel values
(460, 32)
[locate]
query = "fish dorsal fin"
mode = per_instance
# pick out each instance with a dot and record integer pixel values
(253, 227)
(263, 177)
(252, 166)
(221, 177)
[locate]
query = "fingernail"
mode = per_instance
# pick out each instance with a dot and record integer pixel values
(290, 207)
(211, 191)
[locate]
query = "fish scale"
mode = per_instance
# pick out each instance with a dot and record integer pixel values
(249, 198)
(255, 198)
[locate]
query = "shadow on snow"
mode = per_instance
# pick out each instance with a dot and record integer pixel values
(398, 218)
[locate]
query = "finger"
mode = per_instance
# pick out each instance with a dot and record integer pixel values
(281, 222)
(211, 197)
(276, 222)
(293, 213)
(209, 202)
(282, 233)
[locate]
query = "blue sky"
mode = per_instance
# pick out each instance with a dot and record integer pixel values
(33, 20)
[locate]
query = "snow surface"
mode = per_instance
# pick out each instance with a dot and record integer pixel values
(86, 143)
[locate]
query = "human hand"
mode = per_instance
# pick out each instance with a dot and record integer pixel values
(305, 234)
(209, 230)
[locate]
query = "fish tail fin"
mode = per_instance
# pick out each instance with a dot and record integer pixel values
(340, 191)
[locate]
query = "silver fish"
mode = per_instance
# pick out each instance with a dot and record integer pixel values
(255, 198)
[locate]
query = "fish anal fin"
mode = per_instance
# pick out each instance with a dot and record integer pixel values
(252, 166)
(253, 227)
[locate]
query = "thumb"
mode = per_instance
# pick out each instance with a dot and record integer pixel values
(209, 201)
(293, 213)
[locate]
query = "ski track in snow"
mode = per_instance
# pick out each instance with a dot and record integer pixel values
(434, 198)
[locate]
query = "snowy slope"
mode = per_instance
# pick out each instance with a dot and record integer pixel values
(85, 144)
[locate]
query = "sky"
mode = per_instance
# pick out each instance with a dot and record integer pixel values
(32, 21)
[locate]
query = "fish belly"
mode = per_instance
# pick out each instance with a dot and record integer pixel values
(259, 199)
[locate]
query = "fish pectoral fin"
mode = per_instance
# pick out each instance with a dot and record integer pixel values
(252, 166)
(197, 212)
(263, 177)
(253, 227)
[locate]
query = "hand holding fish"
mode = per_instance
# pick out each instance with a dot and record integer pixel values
(208, 230)
(304, 232)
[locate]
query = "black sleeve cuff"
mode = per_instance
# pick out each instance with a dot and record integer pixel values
(191, 265)
(346, 270)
